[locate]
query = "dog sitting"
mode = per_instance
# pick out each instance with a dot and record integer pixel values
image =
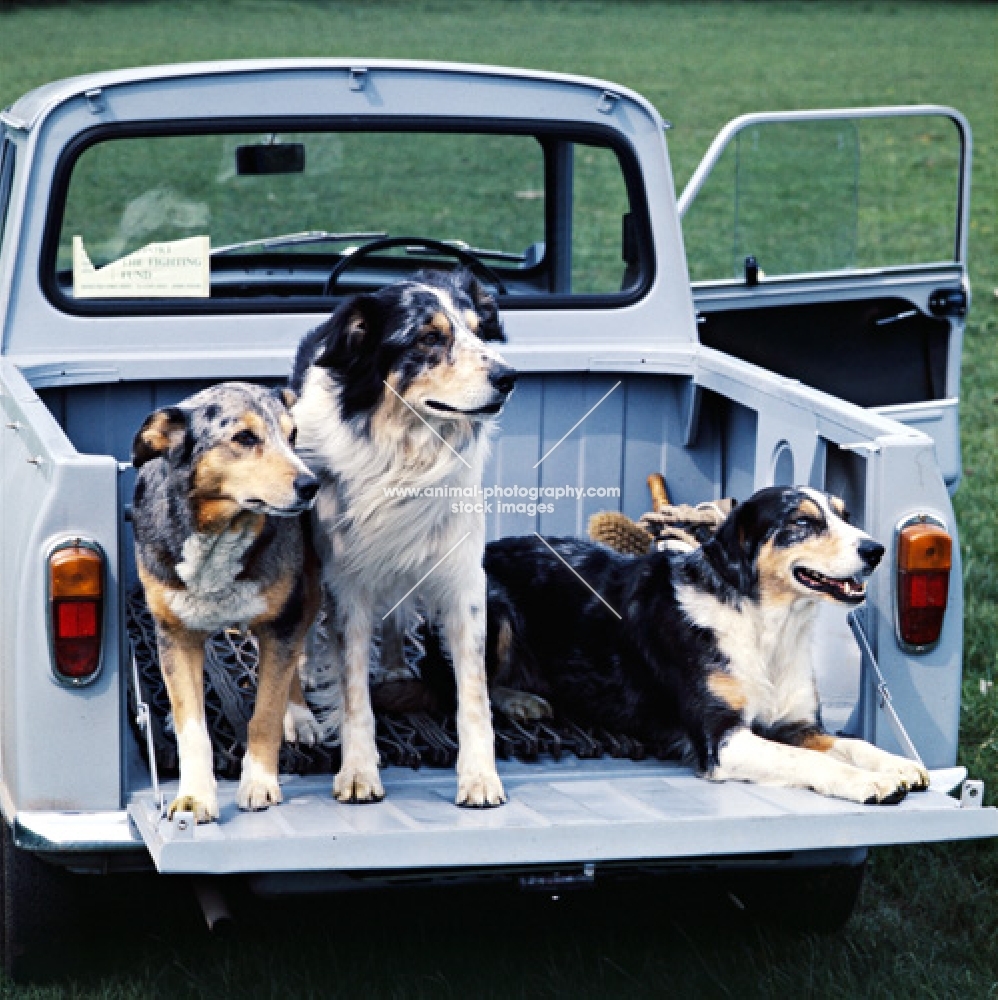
(219, 542)
(399, 391)
(708, 651)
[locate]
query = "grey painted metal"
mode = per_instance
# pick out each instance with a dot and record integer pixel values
(739, 124)
(581, 811)
(60, 745)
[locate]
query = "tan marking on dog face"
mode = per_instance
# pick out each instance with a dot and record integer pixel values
(213, 516)
(729, 689)
(808, 508)
(287, 424)
(471, 318)
(441, 323)
(239, 475)
(832, 551)
(776, 564)
(821, 742)
(461, 380)
(838, 505)
(253, 422)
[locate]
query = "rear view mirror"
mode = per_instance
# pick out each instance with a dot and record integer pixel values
(270, 158)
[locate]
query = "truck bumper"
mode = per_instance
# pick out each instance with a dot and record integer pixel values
(51, 832)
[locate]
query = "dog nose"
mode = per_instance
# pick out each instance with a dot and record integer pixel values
(306, 486)
(503, 378)
(871, 552)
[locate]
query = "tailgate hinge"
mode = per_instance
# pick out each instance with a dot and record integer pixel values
(972, 794)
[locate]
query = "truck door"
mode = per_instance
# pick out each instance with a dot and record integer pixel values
(830, 247)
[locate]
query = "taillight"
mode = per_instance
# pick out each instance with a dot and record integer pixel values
(925, 557)
(76, 596)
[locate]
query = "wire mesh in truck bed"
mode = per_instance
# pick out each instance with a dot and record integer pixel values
(409, 741)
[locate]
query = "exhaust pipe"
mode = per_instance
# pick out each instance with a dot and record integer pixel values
(217, 914)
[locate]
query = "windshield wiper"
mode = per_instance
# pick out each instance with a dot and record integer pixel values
(297, 239)
(516, 258)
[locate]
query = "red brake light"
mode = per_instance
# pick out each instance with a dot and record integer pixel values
(76, 593)
(925, 557)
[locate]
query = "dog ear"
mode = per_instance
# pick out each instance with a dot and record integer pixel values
(162, 430)
(489, 324)
(734, 548)
(352, 327)
(287, 396)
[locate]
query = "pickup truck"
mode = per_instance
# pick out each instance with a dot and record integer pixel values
(165, 228)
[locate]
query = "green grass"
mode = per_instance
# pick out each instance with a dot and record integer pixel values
(928, 923)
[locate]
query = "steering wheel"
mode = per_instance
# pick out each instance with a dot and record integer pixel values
(466, 257)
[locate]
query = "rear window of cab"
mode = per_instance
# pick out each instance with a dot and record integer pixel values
(224, 221)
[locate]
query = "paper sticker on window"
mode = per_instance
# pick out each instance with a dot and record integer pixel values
(178, 269)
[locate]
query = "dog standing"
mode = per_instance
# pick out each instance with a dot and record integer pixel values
(708, 651)
(399, 391)
(219, 542)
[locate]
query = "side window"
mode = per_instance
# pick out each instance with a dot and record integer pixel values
(600, 209)
(6, 181)
(828, 195)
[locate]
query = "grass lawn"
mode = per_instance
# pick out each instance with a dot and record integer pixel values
(928, 921)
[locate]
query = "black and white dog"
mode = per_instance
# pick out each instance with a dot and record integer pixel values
(711, 650)
(399, 391)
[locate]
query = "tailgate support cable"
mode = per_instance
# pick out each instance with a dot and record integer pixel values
(144, 721)
(883, 692)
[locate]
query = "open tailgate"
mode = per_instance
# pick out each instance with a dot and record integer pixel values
(567, 813)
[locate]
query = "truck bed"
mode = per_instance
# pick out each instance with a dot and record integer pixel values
(558, 814)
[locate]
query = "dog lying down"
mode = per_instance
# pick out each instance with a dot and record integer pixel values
(219, 542)
(708, 648)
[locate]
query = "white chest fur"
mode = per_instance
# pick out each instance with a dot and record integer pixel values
(768, 652)
(213, 598)
(395, 509)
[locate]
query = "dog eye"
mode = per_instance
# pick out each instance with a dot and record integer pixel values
(805, 522)
(246, 438)
(431, 337)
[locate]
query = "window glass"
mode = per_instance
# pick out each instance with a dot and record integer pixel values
(599, 207)
(269, 215)
(813, 196)
(479, 189)
(6, 181)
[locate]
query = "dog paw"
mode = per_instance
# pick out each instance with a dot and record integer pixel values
(480, 791)
(204, 806)
(358, 784)
(914, 775)
(300, 725)
(258, 787)
(883, 790)
(258, 793)
(521, 705)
